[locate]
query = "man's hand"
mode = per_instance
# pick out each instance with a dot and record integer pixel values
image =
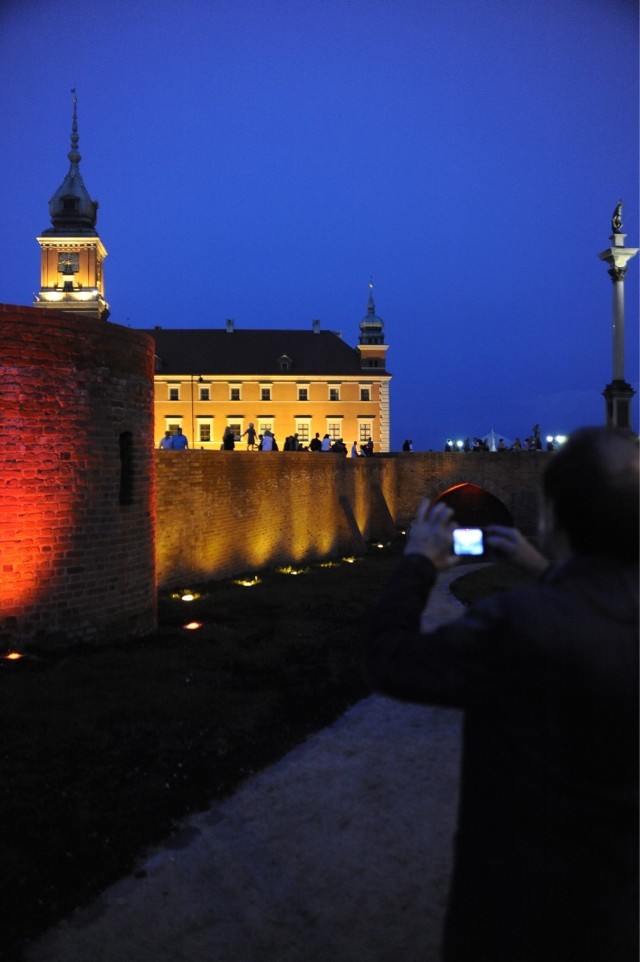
(431, 534)
(514, 547)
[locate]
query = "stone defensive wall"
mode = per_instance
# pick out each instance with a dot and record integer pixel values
(77, 512)
(225, 513)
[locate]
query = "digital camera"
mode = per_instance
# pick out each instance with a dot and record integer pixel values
(468, 541)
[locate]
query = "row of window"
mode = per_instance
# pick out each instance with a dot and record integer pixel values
(333, 427)
(235, 393)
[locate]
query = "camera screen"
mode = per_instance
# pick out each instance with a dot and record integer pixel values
(468, 541)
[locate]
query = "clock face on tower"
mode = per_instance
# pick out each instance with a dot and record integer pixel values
(68, 262)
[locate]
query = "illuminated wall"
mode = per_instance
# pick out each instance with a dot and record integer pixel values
(226, 513)
(77, 513)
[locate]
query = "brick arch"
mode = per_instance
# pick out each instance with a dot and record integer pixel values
(475, 506)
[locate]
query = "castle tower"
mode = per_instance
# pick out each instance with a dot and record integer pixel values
(72, 253)
(372, 347)
(618, 393)
(373, 355)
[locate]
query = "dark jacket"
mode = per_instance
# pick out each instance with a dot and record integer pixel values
(547, 675)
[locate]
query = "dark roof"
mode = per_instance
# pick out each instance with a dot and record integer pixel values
(254, 352)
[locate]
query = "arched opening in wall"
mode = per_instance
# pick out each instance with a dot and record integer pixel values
(474, 507)
(126, 468)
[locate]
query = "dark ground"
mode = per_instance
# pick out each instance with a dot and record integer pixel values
(106, 747)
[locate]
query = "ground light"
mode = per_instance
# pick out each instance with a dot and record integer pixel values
(193, 625)
(13, 656)
(289, 570)
(247, 582)
(186, 594)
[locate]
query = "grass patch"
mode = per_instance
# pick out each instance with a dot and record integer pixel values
(105, 748)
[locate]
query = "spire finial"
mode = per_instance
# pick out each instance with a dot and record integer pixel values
(73, 154)
(371, 306)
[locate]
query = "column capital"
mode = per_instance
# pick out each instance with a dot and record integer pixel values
(617, 274)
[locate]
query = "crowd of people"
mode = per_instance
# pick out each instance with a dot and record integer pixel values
(266, 441)
(496, 443)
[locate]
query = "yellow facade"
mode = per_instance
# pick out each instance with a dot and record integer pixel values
(354, 408)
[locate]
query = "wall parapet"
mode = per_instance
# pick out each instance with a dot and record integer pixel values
(222, 513)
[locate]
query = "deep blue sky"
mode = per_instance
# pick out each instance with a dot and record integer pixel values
(261, 160)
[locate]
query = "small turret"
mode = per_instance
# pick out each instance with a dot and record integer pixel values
(371, 326)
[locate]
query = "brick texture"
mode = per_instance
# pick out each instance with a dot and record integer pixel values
(77, 509)
(225, 513)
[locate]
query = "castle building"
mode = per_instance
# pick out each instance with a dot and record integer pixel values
(285, 381)
(72, 254)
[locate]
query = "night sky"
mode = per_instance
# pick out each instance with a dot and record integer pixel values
(262, 160)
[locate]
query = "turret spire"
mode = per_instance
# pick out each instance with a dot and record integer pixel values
(73, 154)
(371, 307)
(71, 207)
(371, 326)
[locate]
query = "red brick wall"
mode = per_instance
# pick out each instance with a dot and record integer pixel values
(226, 513)
(77, 513)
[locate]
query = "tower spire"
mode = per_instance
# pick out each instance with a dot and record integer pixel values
(371, 307)
(371, 326)
(73, 154)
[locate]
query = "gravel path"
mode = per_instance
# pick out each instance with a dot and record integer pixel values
(340, 852)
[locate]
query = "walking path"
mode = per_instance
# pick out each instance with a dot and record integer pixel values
(340, 852)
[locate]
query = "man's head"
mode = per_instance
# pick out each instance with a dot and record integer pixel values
(591, 486)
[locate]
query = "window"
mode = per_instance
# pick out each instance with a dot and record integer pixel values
(371, 362)
(334, 429)
(365, 431)
(236, 427)
(365, 394)
(303, 429)
(303, 393)
(205, 394)
(266, 424)
(234, 394)
(265, 393)
(172, 423)
(174, 392)
(334, 393)
(284, 363)
(204, 430)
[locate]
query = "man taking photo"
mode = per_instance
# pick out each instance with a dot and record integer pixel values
(547, 676)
